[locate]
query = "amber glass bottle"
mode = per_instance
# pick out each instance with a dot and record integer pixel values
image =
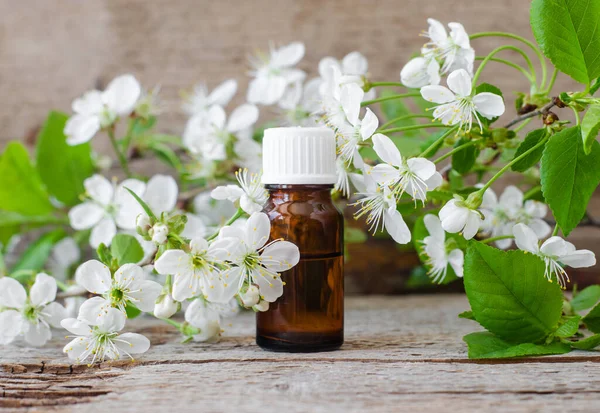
(310, 314)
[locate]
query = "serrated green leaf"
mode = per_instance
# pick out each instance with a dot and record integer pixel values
(590, 126)
(587, 343)
(587, 298)
(509, 294)
(62, 167)
(126, 249)
(592, 319)
(468, 315)
(21, 189)
(567, 32)
(463, 160)
(569, 176)
(569, 328)
(35, 256)
(532, 139)
(484, 345)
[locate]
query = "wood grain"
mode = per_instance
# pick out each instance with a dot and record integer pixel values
(401, 354)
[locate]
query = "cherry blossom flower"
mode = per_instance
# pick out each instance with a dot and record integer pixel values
(256, 261)
(106, 207)
(457, 106)
(207, 318)
(30, 316)
(555, 251)
(273, 73)
(200, 101)
(96, 110)
(415, 176)
(166, 306)
(250, 192)
(439, 252)
(454, 50)
(456, 216)
(102, 341)
(379, 204)
(208, 134)
(355, 130)
(300, 103)
(503, 213)
(195, 272)
(128, 286)
(421, 71)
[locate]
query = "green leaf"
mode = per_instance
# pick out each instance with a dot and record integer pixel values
(483, 345)
(166, 155)
(35, 256)
(592, 319)
(587, 343)
(569, 176)
(567, 32)
(532, 139)
(463, 160)
(509, 294)
(590, 126)
(126, 249)
(468, 315)
(21, 189)
(486, 87)
(143, 204)
(62, 167)
(595, 88)
(132, 311)
(569, 328)
(587, 298)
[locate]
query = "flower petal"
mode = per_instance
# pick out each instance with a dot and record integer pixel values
(99, 189)
(53, 314)
(112, 321)
(242, 117)
(386, 150)
(421, 167)
(270, 286)
(172, 262)
(258, 230)
(369, 124)
(12, 293)
(121, 94)
(355, 63)
(93, 276)
(76, 348)
(384, 174)
(92, 310)
(396, 227)
(456, 258)
(161, 194)
(453, 217)
(437, 32)
(128, 208)
(222, 94)
(511, 198)
(81, 128)
(43, 290)
(11, 325)
(248, 205)
(38, 334)
(472, 225)
(132, 343)
(147, 295)
(280, 256)
(229, 192)
(489, 105)
(289, 55)
(76, 327)
(540, 227)
(85, 215)
(186, 284)
(459, 35)
(459, 82)
(89, 104)
(434, 227)
(103, 232)
(579, 259)
(525, 238)
(437, 94)
(350, 97)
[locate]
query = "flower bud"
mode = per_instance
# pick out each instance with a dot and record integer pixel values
(159, 233)
(251, 297)
(142, 223)
(262, 306)
(165, 306)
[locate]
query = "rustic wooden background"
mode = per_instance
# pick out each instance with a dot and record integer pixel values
(53, 50)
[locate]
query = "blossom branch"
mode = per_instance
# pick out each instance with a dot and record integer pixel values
(541, 111)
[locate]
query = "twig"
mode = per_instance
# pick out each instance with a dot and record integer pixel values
(521, 118)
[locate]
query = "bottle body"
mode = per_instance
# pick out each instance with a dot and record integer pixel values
(309, 316)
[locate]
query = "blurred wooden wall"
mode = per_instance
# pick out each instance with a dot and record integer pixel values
(53, 50)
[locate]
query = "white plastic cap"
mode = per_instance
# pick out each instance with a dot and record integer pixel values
(299, 156)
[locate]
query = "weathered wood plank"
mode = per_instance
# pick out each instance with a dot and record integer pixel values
(401, 354)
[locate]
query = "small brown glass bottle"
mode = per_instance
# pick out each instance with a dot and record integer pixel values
(299, 173)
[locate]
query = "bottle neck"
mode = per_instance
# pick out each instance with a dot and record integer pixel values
(289, 192)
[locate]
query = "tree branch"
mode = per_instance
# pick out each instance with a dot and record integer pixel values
(541, 111)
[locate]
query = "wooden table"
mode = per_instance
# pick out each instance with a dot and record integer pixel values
(402, 353)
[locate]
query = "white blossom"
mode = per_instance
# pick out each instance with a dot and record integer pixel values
(200, 101)
(453, 50)
(128, 286)
(102, 341)
(96, 110)
(415, 176)
(63, 256)
(555, 251)
(421, 71)
(256, 261)
(30, 316)
(456, 216)
(439, 252)
(208, 134)
(106, 207)
(250, 192)
(166, 306)
(207, 317)
(301, 103)
(353, 68)
(273, 73)
(458, 106)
